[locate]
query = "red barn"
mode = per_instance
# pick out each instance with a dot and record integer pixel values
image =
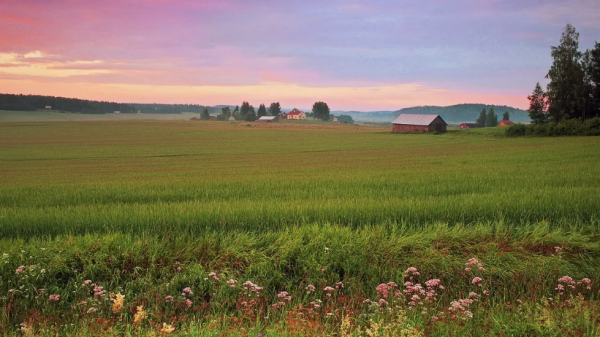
(419, 123)
(505, 123)
(469, 126)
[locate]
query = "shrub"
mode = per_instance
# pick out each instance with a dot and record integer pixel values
(570, 127)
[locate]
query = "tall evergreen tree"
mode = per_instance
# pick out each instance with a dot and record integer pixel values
(491, 119)
(591, 67)
(225, 113)
(565, 91)
(320, 110)
(204, 115)
(275, 109)
(506, 116)
(481, 120)
(251, 115)
(244, 110)
(538, 105)
(262, 110)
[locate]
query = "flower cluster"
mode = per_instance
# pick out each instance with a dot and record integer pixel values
(55, 298)
(473, 262)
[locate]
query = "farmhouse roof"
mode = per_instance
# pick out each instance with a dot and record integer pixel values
(267, 118)
(294, 113)
(410, 119)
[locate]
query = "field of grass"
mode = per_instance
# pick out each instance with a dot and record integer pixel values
(149, 208)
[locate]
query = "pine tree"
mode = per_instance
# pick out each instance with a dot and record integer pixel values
(275, 109)
(204, 115)
(537, 105)
(481, 120)
(566, 89)
(506, 116)
(491, 119)
(591, 67)
(262, 111)
(244, 110)
(251, 115)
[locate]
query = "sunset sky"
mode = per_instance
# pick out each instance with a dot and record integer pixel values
(354, 55)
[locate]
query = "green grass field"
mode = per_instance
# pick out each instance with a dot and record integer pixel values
(147, 208)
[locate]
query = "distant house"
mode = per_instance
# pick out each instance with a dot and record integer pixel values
(469, 126)
(48, 107)
(505, 123)
(268, 119)
(117, 112)
(334, 119)
(419, 123)
(231, 118)
(296, 114)
(283, 115)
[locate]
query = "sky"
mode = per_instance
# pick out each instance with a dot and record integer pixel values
(354, 55)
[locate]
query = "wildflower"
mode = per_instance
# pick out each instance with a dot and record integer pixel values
(42, 271)
(139, 315)
(519, 302)
(472, 262)
(477, 280)
(468, 269)
(213, 276)
(435, 318)
(486, 293)
(278, 305)
(188, 303)
(167, 328)
(339, 285)
(473, 295)
(41, 290)
(20, 270)
(328, 289)
(550, 299)
(232, 283)
(54, 298)
(187, 291)
(311, 289)
(558, 249)
(566, 280)
(326, 250)
(468, 314)
(99, 291)
(382, 290)
(382, 302)
(117, 300)
(168, 299)
(323, 270)
(92, 310)
(86, 282)
(481, 268)
(82, 303)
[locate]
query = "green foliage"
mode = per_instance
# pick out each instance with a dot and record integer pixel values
(538, 104)
(262, 111)
(482, 117)
(506, 116)
(342, 119)
(320, 110)
(204, 115)
(275, 109)
(568, 127)
(491, 119)
(35, 102)
(251, 115)
(225, 114)
(566, 90)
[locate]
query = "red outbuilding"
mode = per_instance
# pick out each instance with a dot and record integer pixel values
(505, 123)
(419, 123)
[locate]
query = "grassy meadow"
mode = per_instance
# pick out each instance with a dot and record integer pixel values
(149, 209)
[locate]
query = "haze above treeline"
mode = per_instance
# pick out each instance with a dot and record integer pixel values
(452, 114)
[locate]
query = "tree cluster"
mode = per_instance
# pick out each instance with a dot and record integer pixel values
(574, 88)
(320, 110)
(37, 102)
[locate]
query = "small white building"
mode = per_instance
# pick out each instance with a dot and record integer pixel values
(117, 112)
(48, 107)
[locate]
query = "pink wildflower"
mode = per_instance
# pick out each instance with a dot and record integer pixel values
(311, 289)
(20, 270)
(382, 290)
(468, 269)
(188, 303)
(328, 289)
(87, 282)
(54, 298)
(188, 291)
(477, 280)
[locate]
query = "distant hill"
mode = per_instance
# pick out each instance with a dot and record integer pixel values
(465, 112)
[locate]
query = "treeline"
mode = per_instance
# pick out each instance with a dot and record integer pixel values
(247, 112)
(572, 96)
(465, 112)
(37, 102)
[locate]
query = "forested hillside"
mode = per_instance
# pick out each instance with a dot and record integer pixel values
(465, 112)
(37, 102)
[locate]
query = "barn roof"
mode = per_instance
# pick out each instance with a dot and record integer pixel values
(266, 118)
(294, 113)
(416, 119)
